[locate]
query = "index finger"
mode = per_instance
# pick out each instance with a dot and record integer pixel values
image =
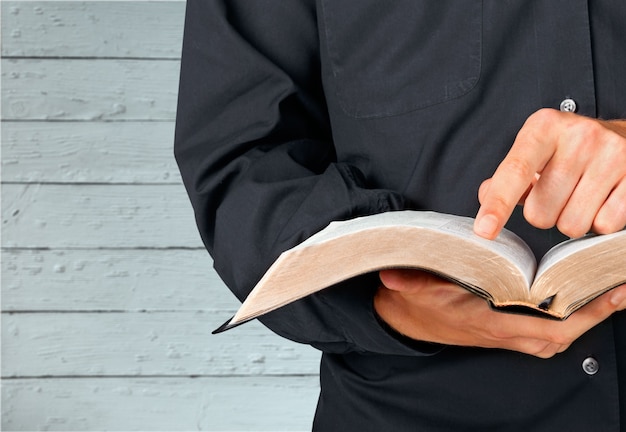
(529, 154)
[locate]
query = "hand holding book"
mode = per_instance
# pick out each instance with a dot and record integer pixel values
(502, 271)
(567, 170)
(425, 307)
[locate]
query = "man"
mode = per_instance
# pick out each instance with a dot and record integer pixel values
(294, 114)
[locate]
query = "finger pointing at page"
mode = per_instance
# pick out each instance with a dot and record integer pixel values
(568, 170)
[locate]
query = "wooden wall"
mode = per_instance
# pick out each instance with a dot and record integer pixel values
(108, 298)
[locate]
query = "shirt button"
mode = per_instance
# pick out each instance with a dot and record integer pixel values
(568, 105)
(591, 366)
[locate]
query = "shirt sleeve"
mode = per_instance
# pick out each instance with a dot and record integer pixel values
(254, 147)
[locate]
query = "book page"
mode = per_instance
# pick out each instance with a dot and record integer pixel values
(499, 270)
(507, 244)
(569, 247)
(422, 219)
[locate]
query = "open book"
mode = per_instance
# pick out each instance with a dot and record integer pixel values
(503, 271)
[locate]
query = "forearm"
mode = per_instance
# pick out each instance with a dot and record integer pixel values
(255, 151)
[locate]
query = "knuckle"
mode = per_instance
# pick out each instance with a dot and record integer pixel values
(518, 167)
(561, 339)
(599, 310)
(612, 215)
(606, 225)
(547, 354)
(566, 165)
(537, 348)
(586, 129)
(592, 135)
(500, 206)
(497, 333)
(590, 130)
(534, 214)
(544, 117)
(552, 350)
(562, 348)
(615, 145)
(572, 229)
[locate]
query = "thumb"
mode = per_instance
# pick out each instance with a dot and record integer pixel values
(394, 279)
(405, 280)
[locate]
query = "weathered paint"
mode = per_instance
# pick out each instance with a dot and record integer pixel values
(112, 280)
(89, 152)
(108, 297)
(89, 89)
(129, 343)
(158, 403)
(91, 216)
(93, 29)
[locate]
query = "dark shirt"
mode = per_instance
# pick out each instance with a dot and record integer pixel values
(292, 114)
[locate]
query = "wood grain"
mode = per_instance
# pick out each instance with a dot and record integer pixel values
(97, 216)
(92, 29)
(168, 404)
(89, 90)
(88, 152)
(145, 343)
(108, 296)
(112, 280)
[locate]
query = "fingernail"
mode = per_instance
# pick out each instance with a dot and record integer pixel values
(486, 226)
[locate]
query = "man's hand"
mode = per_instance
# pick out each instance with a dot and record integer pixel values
(425, 307)
(567, 170)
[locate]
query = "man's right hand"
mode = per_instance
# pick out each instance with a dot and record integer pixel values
(427, 308)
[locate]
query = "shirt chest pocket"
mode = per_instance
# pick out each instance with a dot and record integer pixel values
(391, 57)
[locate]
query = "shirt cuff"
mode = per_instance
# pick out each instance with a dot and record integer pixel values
(353, 306)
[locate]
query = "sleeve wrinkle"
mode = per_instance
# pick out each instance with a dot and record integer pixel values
(254, 147)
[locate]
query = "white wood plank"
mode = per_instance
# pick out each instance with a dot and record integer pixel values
(92, 29)
(122, 68)
(97, 216)
(92, 152)
(136, 343)
(122, 280)
(210, 404)
(84, 89)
